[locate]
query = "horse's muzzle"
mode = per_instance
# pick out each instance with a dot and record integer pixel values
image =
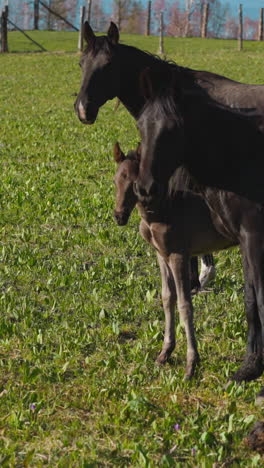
(87, 114)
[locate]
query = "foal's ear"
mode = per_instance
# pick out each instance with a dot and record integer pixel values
(88, 33)
(118, 153)
(113, 33)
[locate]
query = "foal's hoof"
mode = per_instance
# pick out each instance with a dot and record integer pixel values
(260, 398)
(251, 369)
(190, 369)
(162, 359)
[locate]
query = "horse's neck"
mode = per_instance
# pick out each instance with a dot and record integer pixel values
(132, 64)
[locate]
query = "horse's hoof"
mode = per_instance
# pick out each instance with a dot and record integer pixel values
(162, 359)
(255, 439)
(190, 369)
(251, 369)
(188, 377)
(260, 398)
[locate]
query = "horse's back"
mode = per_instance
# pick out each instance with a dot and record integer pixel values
(231, 93)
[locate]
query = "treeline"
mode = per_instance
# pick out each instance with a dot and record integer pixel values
(182, 18)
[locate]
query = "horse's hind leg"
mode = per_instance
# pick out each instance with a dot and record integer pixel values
(180, 268)
(207, 272)
(252, 366)
(194, 275)
(169, 303)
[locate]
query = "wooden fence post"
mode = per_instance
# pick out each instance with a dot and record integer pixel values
(1, 33)
(240, 27)
(89, 10)
(205, 15)
(161, 42)
(82, 17)
(36, 14)
(261, 21)
(147, 33)
(4, 33)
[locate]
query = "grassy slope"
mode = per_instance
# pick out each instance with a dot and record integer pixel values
(81, 319)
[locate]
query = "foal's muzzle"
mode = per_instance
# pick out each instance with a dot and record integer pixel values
(121, 217)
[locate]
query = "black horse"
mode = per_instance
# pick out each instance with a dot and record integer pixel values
(198, 125)
(113, 70)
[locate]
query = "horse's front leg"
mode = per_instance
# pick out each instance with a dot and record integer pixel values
(252, 256)
(179, 264)
(169, 302)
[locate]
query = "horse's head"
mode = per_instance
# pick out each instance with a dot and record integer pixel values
(125, 177)
(100, 73)
(161, 130)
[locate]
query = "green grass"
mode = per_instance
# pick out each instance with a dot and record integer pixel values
(81, 319)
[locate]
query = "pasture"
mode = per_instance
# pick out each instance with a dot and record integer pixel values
(81, 318)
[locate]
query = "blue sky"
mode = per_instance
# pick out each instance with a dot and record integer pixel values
(251, 7)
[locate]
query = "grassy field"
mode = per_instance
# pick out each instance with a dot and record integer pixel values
(81, 319)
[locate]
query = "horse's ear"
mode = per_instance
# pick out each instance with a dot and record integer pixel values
(146, 84)
(88, 33)
(113, 33)
(118, 153)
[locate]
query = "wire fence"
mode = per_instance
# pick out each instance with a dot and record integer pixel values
(181, 18)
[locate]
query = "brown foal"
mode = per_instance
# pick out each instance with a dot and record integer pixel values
(178, 229)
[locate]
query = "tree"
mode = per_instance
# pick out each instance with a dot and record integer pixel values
(177, 16)
(218, 13)
(231, 28)
(121, 11)
(191, 7)
(98, 17)
(250, 28)
(158, 6)
(51, 21)
(135, 22)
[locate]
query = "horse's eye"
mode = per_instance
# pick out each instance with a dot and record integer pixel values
(124, 175)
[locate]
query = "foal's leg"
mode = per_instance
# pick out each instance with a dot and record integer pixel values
(207, 272)
(180, 268)
(252, 366)
(169, 303)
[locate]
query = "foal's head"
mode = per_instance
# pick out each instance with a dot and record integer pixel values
(100, 73)
(126, 174)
